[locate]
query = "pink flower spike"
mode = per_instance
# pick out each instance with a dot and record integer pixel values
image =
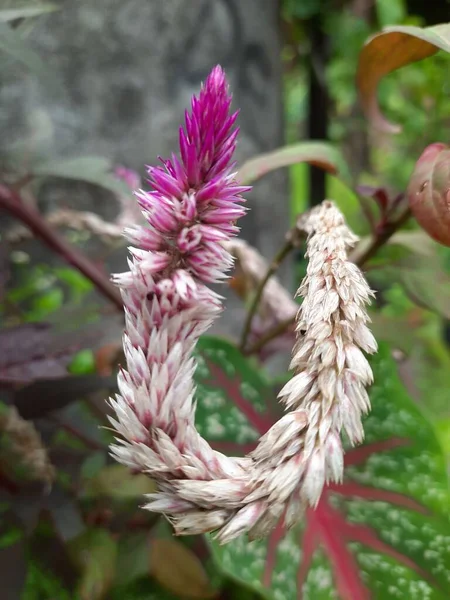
(164, 182)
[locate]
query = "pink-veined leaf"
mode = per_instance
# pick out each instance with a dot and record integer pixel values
(233, 399)
(382, 535)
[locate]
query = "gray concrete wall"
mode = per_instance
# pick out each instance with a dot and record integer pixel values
(129, 68)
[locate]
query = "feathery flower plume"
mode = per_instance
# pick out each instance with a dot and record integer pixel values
(191, 211)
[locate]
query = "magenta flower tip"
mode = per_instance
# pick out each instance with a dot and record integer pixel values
(195, 201)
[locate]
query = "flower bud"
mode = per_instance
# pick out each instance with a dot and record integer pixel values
(429, 192)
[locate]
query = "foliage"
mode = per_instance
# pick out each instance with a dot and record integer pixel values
(388, 515)
(384, 532)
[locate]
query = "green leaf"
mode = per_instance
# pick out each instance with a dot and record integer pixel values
(42, 584)
(133, 558)
(429, 288)
(415, 240)
(10, 535)
(118, 482)
(14, 45)
(443, 433)
(92, 169)
(177, 569)
(304, 9)
(10, 14)
(425, 282)
(95, 553)
(384, 533)
(390, 12)
(48, 302)
(82, 363)
(392, 49)
(144, 588)
(319, 154)
(79, 284)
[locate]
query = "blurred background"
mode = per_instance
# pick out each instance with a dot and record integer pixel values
(91, 92)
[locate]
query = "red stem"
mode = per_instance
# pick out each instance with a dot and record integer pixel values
(12, 202)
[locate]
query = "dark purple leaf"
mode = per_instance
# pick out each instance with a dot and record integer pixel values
(13, 570)
(64, 513)
(50, 552)
(29, 503)
(34, 351)
(42, 397)
(13, 563)
(380, 195)
(31, 351)
(4, 268)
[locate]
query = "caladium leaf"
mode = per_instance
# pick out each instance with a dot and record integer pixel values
(232, 398)
(381, 534)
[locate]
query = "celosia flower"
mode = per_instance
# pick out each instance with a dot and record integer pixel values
(191, 211)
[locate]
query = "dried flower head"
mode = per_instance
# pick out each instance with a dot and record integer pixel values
(24, 448)
(191, 211)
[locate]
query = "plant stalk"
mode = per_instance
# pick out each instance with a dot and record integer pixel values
(11, 201)
(274, 265)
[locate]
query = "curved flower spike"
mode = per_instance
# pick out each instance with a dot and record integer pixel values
(191, 211)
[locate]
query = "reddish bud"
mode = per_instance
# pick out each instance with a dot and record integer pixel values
(429, 192)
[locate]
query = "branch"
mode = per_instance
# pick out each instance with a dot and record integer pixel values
(273, 333)
(12, 202)
(276, 262)
(383, 233)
